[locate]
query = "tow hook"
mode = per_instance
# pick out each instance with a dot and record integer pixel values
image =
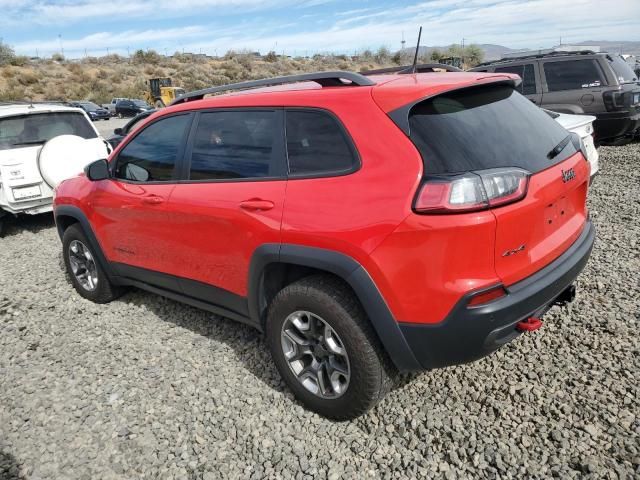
(568, 295)
(529, 325)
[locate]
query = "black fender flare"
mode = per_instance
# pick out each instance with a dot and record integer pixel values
(345, 267)
(78, 215)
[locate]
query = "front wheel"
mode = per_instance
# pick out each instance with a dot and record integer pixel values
(325, 348)
(87, 275)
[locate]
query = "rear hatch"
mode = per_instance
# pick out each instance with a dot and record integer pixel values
(488, 147)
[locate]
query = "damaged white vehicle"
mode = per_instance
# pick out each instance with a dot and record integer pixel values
(41, 145)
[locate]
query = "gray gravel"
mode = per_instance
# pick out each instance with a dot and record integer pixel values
(147, 388)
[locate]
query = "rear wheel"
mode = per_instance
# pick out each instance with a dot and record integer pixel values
(87, 276)
(325, 348)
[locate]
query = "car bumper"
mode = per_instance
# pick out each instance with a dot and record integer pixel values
(468, 334)
(609, 126)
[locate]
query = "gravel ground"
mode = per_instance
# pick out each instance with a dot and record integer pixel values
(147, 388)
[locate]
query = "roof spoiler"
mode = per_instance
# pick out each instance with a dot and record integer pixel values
(325, 79)
(408, 69)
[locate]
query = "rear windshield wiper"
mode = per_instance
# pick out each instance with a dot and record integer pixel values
(32, 142)
(555, 151)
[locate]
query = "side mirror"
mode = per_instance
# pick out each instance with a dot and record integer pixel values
(118, 131)
(98, 170)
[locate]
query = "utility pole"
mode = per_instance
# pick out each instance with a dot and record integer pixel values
(403, 41)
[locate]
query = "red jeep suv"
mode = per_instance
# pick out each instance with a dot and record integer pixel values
(368, 225)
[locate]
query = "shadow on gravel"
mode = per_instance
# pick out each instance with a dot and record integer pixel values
(31, 223)
(8, 467)
(247, 343)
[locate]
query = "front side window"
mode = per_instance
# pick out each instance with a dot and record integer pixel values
(153, 154)
(39, 128)
(316, 144)
(235, 145)
(572, 75)
(526, 73)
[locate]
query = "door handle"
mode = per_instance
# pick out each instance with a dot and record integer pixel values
(256, 204)
(152, 200)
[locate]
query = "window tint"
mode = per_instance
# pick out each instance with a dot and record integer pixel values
(484, 127)
(572, 75)
(527, 74)
(316, 144)
(152, 155)
(237, 144)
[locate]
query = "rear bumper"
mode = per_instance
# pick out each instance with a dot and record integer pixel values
(610, 126)
(468, 334)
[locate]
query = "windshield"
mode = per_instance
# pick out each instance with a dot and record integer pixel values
(140, 103)
(624, 73)
(38, 128)
(484, 127)
(89, 106)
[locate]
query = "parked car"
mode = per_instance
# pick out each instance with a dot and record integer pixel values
(599, 84)
(111, 106)
(95, 112)
(27, 175)
(131, 108)
(120, 133)
(386, 224)
(583, 126)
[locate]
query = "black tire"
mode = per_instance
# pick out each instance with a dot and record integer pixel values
(104, 290)
(2, 226)
(371, 373)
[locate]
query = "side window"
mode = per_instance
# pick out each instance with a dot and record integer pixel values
(317, 144)
(572, 75)
(527, 74)
(237, 144)
(153, 154)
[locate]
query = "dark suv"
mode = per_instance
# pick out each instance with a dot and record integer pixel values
(368, 225)
(600, 84)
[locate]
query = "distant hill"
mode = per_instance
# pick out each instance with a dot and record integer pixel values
(494, 52)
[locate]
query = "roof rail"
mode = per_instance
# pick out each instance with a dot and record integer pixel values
(537, 54)
(29, 102)
(326, 79)
(407, 69)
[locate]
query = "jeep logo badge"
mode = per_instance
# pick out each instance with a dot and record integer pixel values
(568, 175)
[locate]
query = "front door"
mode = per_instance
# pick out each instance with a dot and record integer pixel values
(130, 209)
(231, 203)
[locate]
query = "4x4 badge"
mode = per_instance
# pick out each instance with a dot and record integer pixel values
(568, 175)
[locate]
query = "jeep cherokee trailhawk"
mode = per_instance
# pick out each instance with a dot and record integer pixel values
(368, 225)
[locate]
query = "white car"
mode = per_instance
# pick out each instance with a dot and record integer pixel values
(41, 145)
(583, 126)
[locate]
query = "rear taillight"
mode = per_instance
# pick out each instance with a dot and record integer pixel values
(487, 296)
(472, 191)
(613, 100)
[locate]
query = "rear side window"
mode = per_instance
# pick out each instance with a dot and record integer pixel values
(484, 127)
(153, 154)
(526, 73)
(236, 144)
(572, 75)
(624, 72)
(317, 144)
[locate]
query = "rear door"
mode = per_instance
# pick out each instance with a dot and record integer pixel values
(572, 86)
(494, 127)
(528, 72)
(230, 203)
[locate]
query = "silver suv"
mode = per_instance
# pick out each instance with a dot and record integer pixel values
(582, 82)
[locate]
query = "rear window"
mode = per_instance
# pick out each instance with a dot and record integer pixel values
(572, 75)
(526, 73)
(39, 128)
(624, 72)
(484, 127)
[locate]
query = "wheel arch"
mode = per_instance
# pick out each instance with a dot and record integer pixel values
(273, 266)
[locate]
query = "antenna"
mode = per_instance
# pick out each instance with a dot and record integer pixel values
(415, 57)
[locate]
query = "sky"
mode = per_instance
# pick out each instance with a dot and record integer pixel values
(304, 27)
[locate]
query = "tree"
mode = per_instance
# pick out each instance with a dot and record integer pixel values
(6, 54)
(437, 55)
(383, 55)
(473, 55)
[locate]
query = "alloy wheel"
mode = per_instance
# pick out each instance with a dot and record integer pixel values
(83, 266)
(315, 354)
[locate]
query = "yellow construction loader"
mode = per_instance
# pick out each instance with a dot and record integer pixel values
(160, 92)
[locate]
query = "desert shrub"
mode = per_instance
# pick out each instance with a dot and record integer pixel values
(271, 57)
(26, 77)
(57, 57)
(6, 54)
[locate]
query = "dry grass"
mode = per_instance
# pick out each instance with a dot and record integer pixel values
(100, 79)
